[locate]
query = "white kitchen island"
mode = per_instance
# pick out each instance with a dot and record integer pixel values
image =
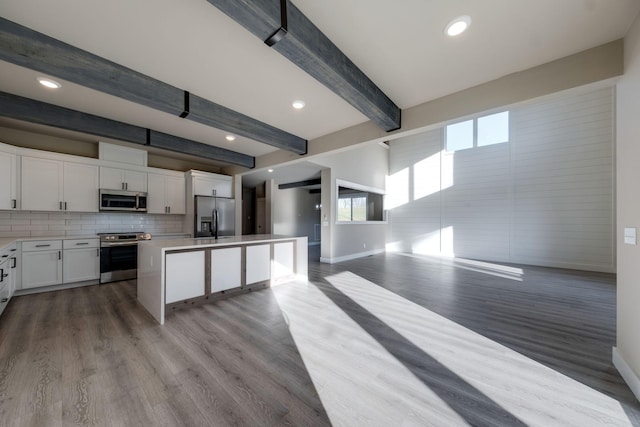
(179, 272)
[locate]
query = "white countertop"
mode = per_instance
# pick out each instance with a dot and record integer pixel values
(6, 241)
(178, 244)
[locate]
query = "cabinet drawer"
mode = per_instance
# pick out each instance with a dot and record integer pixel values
(41, 245)
(80, 243)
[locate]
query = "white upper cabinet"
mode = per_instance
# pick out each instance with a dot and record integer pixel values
(122, 179)
(80, 187)
(53, 185)
(219, 186)
(166, 194)
(41, 188)
(8, 172)
(176, 194)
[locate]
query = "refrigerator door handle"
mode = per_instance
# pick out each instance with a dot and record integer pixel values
(215, 223)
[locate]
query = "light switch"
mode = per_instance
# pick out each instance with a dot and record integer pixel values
(630, 236)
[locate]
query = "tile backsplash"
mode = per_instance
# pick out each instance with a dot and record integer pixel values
(42, 224)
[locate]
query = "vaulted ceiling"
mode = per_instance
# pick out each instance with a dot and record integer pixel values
(400, 46)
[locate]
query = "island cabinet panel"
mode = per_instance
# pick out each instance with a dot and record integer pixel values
(184, 275)
(283, 260)
(226, 269)
(258, 263)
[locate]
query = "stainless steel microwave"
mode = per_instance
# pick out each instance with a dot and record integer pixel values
(123, 201)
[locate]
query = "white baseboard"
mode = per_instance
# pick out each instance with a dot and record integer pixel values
(627, 373)
(351, 256)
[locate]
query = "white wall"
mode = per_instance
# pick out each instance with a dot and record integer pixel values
(367, 166)
(546, 197)
(294, 213)
(628, 212)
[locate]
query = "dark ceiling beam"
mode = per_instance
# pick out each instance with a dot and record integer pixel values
(298, 184)
(29, 110)
(31, 49)
(300, 41)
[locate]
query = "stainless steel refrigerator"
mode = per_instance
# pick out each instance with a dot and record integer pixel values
(214, 217)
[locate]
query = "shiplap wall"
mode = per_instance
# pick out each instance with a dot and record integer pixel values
(544, 198)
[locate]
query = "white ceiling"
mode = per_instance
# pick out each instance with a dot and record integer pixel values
(400, 45)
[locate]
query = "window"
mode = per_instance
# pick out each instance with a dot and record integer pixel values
(493, 129)
(479, 132)
(460, 136)
(357, 204)
(352, 207)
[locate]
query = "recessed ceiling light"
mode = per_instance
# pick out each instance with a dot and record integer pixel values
(298, 105)
(458, 26)
(48, 83)
(230, 137)
(270, 170)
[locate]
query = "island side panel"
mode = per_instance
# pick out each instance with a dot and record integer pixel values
(302, 259)
(151, 280)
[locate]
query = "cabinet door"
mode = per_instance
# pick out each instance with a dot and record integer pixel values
(7, 181)
(80, 187)
(210, 186)
(175, 194)
(80, 265)
(184, 276)
(156, 202)
(203, 186)
(135, 181)
(258, 263)
(41, 184)
(43, 268)
(111, 178)
(226, 269)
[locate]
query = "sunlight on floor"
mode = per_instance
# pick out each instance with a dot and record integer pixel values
(498, 270)
(360, 382)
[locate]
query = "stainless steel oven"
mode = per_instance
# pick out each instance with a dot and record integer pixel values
(119, 255)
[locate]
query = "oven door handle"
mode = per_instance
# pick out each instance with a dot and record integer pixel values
(106, 245)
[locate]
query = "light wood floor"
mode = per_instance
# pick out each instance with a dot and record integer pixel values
(385, 340)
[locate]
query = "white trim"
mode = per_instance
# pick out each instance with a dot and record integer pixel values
(341, 182)
(351, 256)
(627, 373)
(361, 222)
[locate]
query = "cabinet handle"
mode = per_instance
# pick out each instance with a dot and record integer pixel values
(60, 205)
(59, 254)
(126, 185)
(65, 206)
(3, 300)
(98, 252)
(2, 275)
(82, 243)
(122, 185)
(5, 256)
(14, 262)
(15, 203)
(168, 209)
(42, 246)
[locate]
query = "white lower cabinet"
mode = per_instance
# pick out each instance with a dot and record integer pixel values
(258, 263)
(53, 262)
(226, 269)
(41, 263)
(80, 260)
(184, 275)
